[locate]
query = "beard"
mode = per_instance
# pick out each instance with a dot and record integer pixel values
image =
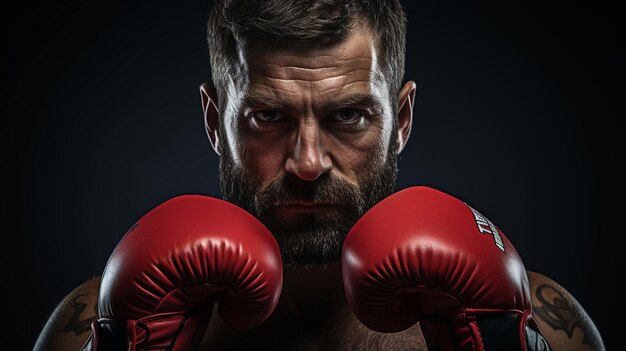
(308, 239)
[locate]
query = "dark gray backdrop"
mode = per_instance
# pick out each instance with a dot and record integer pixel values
(101, 121)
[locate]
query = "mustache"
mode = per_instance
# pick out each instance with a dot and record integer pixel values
(328, 188)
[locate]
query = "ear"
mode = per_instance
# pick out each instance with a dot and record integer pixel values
(211, 114)
(406, 99)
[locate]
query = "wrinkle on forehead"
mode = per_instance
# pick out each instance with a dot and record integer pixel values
(308, 71)
(354, 50)
(325, 72)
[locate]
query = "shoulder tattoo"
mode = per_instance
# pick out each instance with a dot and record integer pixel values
(76, 324)
(562, 313)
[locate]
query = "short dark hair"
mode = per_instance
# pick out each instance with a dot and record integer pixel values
(234, 21)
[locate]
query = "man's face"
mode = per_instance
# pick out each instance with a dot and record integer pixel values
(309, 143)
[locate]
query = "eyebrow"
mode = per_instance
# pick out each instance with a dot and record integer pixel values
(363, 100)
(262, 101)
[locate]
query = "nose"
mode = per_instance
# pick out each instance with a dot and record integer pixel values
(309, 159)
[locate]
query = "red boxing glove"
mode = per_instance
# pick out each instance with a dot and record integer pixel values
(422, 255)
(163, 278)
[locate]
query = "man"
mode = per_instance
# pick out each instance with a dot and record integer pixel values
(308, 113)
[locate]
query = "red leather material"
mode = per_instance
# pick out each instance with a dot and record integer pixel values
(420, 255)
(166, 273)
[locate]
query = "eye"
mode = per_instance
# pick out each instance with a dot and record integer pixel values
(267, 116)
(347, 115)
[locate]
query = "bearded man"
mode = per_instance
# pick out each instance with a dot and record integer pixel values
(308, 112)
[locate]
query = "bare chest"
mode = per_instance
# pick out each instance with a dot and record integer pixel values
(345, 333)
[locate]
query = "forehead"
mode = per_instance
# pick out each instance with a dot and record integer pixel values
(313, 73)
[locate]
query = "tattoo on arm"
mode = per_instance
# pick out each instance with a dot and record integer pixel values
(75, 324)
(560, 313)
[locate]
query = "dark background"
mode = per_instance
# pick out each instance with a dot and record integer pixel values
(519, 113)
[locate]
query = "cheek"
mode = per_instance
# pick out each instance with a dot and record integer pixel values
(356, 157)
(263, 159)
(260, 158)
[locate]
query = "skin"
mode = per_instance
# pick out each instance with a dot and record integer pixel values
(308, 138)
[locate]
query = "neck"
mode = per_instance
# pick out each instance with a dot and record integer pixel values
(312, 295)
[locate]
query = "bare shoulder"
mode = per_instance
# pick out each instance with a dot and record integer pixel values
(562, 320)
(69, 324)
